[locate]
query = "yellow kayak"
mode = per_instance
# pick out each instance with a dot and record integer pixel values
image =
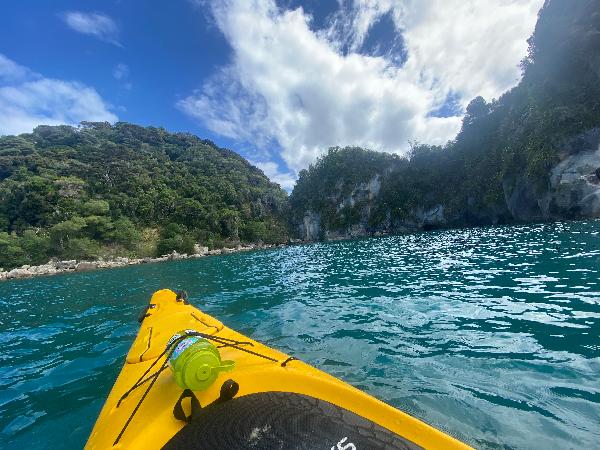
(268, 400)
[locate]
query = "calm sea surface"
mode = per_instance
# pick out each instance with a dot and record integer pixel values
(492, 334)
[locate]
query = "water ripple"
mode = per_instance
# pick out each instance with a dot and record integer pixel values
(490, 334)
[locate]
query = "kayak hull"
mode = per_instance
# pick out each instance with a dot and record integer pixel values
(153, 424)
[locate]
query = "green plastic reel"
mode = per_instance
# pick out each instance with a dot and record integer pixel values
(196, 363)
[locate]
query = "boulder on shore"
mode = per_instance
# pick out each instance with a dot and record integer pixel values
(86, 265)
(66, 265)
(200, 250)
(175, 255)
(18, 273)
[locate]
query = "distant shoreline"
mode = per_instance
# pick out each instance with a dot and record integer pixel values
(55, 266)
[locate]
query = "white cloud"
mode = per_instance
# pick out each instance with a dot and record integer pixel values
(290, 87)
(231, 116)
(10, 70)
(28, 99)
(121, 74)
(271, 170)
(98, 25)
(470, 47)
(121, 71)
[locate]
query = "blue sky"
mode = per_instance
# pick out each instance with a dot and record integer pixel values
(278, 82)
(168, 48)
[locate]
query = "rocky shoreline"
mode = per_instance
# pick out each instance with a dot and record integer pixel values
(55, 266)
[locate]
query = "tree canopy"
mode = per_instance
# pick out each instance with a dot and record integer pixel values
(102, 189)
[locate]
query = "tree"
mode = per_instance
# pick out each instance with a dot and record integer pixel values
(36, 245)
(174, 237)
(63, 232)
(11, 253)
(230, 221)
(95, 208)
(99, 228)
(125, 233)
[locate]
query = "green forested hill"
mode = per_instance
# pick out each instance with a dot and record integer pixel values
(498, 167)
(103, 189)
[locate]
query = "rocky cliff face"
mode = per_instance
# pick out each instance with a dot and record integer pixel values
(310, 227)
(360, 199)
(573, 189)
(362, 193)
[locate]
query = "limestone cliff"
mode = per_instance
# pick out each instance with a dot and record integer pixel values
(572, 190)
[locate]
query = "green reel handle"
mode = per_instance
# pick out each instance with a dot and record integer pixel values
(226, 365)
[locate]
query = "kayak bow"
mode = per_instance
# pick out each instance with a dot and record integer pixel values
(268, 400)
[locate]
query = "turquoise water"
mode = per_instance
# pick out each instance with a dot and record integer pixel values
(490, 334)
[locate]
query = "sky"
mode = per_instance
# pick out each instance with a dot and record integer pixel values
(277, 81)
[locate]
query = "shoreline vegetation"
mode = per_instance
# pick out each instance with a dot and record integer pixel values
(56, 266)
(122, 190)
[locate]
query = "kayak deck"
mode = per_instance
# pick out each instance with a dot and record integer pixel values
(280, 399)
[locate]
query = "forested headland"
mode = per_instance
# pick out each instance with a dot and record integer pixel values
(531, 154)
(102, 190)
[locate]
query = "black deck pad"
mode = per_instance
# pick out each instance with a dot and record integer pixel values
(283, 420)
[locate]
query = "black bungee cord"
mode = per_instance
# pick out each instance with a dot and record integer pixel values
(225, 342)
